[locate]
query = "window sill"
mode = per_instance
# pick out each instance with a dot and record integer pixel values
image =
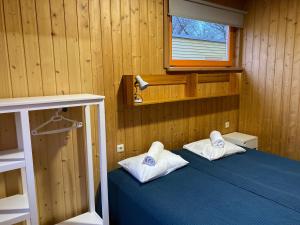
(205, 69)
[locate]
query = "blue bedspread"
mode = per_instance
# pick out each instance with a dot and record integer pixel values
(273, 177)
(203, 193)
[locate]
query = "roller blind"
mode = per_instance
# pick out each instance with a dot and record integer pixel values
(206, 11)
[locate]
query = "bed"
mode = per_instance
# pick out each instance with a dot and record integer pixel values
(253, 188)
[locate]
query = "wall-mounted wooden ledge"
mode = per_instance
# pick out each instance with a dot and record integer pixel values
(174, 88)
(161, 101)
(205, 69)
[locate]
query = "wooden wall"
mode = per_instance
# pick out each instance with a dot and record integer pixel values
(270, 101)
(85, 46)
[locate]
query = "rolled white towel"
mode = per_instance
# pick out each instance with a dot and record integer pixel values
(153, 153)
(217, 139)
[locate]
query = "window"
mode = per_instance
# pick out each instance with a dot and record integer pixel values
(196, 43)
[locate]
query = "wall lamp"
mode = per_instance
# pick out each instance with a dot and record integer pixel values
(142, 85)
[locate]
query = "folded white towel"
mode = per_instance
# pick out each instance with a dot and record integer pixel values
(205, 149)
(217, 139)
(153, 154)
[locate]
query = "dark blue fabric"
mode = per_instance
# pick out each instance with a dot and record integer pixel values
(190, 196)
(270, 176)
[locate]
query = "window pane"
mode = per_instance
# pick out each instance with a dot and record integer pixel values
(198, 40)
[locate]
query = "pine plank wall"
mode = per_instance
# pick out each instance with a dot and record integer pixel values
(271, 95)
(85, 46)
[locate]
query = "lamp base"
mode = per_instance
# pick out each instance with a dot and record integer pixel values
(138, 100)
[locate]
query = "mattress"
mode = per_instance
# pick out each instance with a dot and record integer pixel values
(209, 193)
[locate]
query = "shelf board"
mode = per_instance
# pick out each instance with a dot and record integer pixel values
(178, 99)
(48, 102)
(14, 209)
(205, 69)
(11, 160)
(89, 218)
(193, 87)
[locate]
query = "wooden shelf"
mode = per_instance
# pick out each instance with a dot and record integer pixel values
(47, 102)
(14, 209)
(174, 88)
(177, 100)
(11, 160)
(89, 218)
(205, 69)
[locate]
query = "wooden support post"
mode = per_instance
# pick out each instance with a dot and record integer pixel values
(103, 163)
(89, 159)
(30, 181)
(20, 148)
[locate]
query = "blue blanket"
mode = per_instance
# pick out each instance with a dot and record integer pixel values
(270, 176)
(194, 195)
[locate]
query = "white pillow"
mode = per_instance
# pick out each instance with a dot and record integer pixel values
(167, 163)
(205, 149)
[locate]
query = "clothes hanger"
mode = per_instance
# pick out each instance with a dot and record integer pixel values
(56, 118)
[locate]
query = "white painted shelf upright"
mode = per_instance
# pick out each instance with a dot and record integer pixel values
(23, 207)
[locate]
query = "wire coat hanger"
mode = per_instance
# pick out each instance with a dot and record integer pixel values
(56, 118)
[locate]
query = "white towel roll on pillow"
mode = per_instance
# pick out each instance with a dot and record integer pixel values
(153, 154)
(205, 149)
(167, 163)
(216, 139)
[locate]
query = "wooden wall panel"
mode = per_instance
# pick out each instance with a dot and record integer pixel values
(270, 88)
(77, 46)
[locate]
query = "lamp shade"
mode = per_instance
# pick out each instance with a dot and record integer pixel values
(142, 84)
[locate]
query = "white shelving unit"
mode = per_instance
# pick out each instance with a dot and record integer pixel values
(23, 207)
(11, 160)
(16, 208)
